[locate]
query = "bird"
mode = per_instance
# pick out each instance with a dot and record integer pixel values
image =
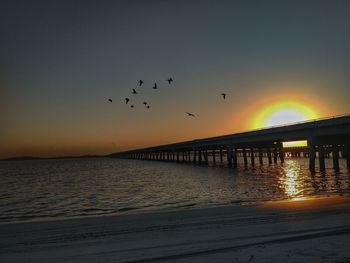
(127, 100)
(147, 106)
(144, 103)
(140, 82)
(110, 100)
(223, 95)
(134, 91)
(170, 80)
(155, 86)
(131, 106)
(190, 114)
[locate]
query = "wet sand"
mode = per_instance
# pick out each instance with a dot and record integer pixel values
(312, 230)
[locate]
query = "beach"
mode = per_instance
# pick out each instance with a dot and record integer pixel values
(300, 230)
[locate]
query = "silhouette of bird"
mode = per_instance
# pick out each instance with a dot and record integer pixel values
(170, 80)
(190, 114)
(147, 106)
(131, 106)
(145, 103)
(134, 91)
(110, 100)
(140, 82)
(223, 95)
(127, 100)
(155, 86)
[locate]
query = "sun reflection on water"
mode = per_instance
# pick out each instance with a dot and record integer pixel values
(290, 181)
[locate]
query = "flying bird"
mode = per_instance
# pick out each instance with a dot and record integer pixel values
(127, 100)
(147, 106)
(140, 82)
(155, 86)
(134, 91)
(131, 106)
(190, 114)
(223, 95)
(145, 103)
(170, 80)
(110, 100)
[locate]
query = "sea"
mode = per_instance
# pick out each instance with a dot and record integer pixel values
(51, 189)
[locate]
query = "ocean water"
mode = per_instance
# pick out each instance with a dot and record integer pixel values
(67, 188)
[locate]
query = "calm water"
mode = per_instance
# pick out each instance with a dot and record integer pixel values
(46, 189)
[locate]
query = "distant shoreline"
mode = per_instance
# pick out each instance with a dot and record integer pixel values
(23, 158)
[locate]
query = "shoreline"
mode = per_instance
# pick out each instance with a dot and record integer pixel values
(274, 230)
(141, 211)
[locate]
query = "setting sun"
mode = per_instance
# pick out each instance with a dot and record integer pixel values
(283, 112)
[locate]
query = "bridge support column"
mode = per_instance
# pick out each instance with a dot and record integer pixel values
(194, 156)
(321, 158)
(235, 155)
(335, 154)
(275, 154)
(269, 157)
(199, 156)
(312, 157)
(177, 156)
(252, 157)
(229, 157)
(214, 157)
(260, 156)
(347, 153)
(281, 152)
(221, 159)
(206, 157)
(245, 160)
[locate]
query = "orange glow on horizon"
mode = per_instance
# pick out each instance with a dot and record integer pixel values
(279, 109)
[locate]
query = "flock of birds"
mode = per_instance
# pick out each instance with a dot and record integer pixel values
(155, 86)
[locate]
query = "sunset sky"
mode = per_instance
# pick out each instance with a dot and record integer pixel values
(62, 60)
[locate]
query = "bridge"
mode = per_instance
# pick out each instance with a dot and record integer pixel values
(325, 137)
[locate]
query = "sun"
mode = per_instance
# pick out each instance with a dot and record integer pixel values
(283, 113)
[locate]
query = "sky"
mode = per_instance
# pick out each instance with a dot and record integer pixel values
(62, 60)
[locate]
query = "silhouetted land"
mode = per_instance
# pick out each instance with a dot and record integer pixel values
(21, 158)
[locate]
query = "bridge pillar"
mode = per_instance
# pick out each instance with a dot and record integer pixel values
(206, 156)
(235, 155)
(281, 152)
(252, 159)
(269, 157)
(312, 157)
(275, 154)
(199, 156)
(335, 154)
(229, 157)
(177, 156)
(321, 158)
(260, 156)
(194, 156)
(214, 157)
(221, 159)
(245, 160)
(347, 154)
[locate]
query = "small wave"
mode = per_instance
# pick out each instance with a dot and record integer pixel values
(124, 209)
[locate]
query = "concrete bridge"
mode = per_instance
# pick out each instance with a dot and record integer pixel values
(325, 137)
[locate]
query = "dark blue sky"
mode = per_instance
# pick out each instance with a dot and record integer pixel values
(61, 60)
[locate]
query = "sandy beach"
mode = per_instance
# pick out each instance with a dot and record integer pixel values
(312, 230)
